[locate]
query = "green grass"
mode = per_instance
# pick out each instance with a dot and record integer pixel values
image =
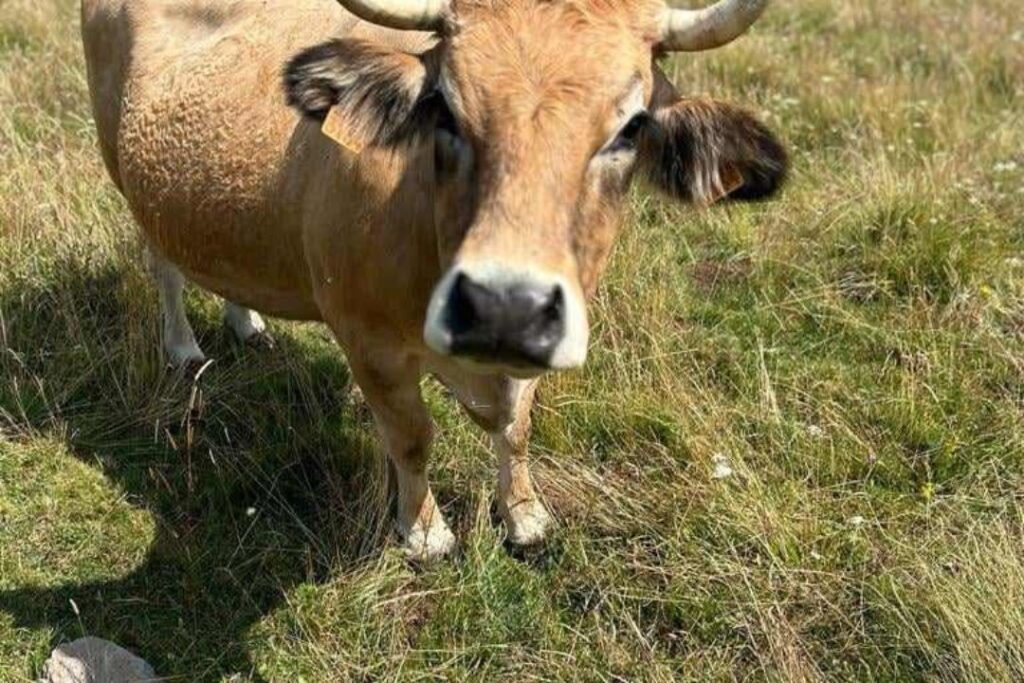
(855, 349)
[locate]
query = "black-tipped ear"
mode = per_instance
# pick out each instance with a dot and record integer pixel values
(313, 79)
(382, 93)
(701, 151)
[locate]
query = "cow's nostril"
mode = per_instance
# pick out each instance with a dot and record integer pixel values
(468, 305)
(539, 318)
(520, 323)
(555, 309)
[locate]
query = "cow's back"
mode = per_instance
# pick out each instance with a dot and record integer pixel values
(196, 133)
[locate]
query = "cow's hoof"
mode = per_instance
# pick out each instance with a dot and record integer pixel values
(186, 358)
(527, 523)
(260, 340)
(248, 327)
(431, 544)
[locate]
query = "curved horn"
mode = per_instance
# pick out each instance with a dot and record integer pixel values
(405, 15)
(692, 30)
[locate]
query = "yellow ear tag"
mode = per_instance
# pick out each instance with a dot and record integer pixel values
(337, 128)
(731, 180)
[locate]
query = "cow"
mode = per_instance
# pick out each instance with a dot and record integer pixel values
(440, 182)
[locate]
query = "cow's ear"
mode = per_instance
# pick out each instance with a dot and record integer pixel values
(701, 151)
(373, 95)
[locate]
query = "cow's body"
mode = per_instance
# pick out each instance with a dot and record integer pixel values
(223, 177)
(457, 218)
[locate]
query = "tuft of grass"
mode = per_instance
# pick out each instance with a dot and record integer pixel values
(853, 352)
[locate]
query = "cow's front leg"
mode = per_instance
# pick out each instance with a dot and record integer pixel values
(392, 391)
(501, 405)
(525, 515)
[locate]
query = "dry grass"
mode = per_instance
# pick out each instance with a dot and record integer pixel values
(852, 351)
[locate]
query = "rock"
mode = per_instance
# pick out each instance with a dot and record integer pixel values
(93, 660)
(722, 467)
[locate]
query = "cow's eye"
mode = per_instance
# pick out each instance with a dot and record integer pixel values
(448, 144)
(445, 121)
(627, 136)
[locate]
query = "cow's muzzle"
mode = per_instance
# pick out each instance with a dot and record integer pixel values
(493, 317)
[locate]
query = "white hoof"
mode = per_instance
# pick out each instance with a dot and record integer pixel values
(185, 355)
(527, 523)
(430, 544)
(248, 326)
(259, 340)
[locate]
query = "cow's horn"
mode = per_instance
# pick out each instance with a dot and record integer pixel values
(692, 30)
(406, 15)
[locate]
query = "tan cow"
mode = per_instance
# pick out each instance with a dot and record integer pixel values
(443, 191)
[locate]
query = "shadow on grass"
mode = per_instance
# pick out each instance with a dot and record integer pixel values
(260, 476)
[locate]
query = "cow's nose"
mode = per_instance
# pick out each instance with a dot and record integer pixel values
(517, 323)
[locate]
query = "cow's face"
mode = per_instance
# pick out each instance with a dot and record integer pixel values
(538, 113)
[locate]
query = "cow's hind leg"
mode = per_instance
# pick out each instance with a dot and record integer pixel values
(179, 341)
(501, 405)
(247, 325)
(390, 384)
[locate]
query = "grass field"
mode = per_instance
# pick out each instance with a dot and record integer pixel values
(853, 352)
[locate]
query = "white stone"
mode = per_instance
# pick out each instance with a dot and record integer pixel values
(93, 660)
(722, 467)
(815, 432)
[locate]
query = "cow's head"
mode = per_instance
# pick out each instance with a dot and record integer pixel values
(539, 113)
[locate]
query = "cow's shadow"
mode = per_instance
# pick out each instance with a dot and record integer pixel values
(262, 475)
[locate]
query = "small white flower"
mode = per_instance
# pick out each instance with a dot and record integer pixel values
(722, 467)
(815, 432)
(250, 511)
(1005, 167)
(856, 521)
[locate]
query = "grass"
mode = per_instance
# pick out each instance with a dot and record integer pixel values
(855, 350)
